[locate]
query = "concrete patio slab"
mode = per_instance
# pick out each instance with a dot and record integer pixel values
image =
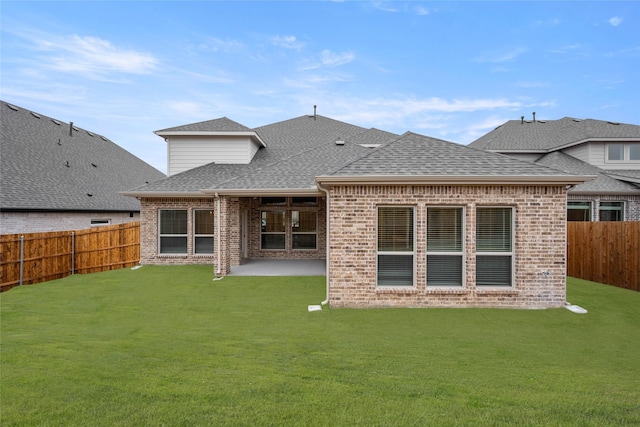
(280, 267)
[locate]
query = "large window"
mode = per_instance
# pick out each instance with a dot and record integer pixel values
(623, 152)
(395, 246)
(203, 231)
(304, 226)
(273, 230)
(634, 151)
(615, 152)
(444, 246)
(578, 211)
(494, 246)
(173, 231)
(611, 211)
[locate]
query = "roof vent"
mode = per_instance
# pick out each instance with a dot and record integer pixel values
(89, 194)
(613, 123)
(13, 107)
(89, 133)
(55, 121)
(339, 141)
(71, 128)
(36, 115)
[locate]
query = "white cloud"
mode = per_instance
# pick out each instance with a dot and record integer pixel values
(329, 58)
(615, 21)
(94, 56)
(287, 42)
(508, 56)
(421, 10)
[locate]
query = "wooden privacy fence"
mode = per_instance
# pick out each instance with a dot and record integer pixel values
(605, 252)
(38, 257)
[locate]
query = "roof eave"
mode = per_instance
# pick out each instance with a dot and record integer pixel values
(456, 179)
(254, 135)
(263, 192)
(183, 194)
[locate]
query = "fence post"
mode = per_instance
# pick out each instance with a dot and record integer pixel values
(73, 252)
(21, 258)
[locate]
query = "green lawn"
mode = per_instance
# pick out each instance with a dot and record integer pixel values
(169, 346)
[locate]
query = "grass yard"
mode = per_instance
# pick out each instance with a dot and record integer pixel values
(168, 346)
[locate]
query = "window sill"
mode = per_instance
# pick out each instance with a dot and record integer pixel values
(505, 290)
(173, 255)
(397, 290)
(457, 290)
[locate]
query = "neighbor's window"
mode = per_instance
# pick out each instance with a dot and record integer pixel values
(304, 226)
(395, 246)
(100, 222)
(611, 211)
(444, 246)
(203, 231)
(615, 152)
(578, 211)
(273, 230)
(494, 246)
(173, 231)
(634, 151)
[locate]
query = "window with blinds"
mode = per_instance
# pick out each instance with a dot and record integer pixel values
(203, 231)
(395, 246)
(445, 239)
(494, 246)
(173, 231)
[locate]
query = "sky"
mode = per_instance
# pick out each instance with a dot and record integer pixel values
(449, 70)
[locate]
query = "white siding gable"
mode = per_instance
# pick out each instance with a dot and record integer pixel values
(188, 152)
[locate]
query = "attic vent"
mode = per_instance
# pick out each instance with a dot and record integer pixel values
(105, 139)
(36, 115)
(89, 133)
(55, 121)
(13, 107)
(89, 194)
(75, 128)
(94, 165)
(577, 120)
(339, 141)
(542, 121)
(613, 123)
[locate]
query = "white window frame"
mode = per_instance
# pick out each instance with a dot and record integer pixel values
(510, 253)
(626, 153)
(399, 253)
(581, 201)
(608, 208)
(160, 235)
(461, 254)
(196, 235)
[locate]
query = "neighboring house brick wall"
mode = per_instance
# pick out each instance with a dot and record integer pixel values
(540, 245)
(631, 204)
(37, 222)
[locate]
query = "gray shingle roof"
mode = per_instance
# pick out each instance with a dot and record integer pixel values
(297, 151)
(44, 168)
(222, 124)
(603, 183)
(414, 154)
(547, 135)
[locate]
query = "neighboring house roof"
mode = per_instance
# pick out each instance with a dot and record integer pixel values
(49, 165)
(602, 184)
(222, 124)
(305, 150)
(549, 135)
(427, 159)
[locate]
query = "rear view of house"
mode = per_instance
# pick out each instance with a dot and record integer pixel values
(401, 220)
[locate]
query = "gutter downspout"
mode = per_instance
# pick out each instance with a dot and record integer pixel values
(327, 243)
(219, 269)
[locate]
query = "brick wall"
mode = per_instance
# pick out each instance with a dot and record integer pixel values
(540, 245)
(37, 222)
(149, 230)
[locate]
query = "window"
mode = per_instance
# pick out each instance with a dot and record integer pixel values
(308, 201)
(578, 211)
(494, 246)
(634, 151)
(274, 200)
(444, 246)
(173, 231)
(273, 230)
(395, 246)
(303, 230)
(615, 152)
(611, 211)
(203, 231)
(100, 222)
